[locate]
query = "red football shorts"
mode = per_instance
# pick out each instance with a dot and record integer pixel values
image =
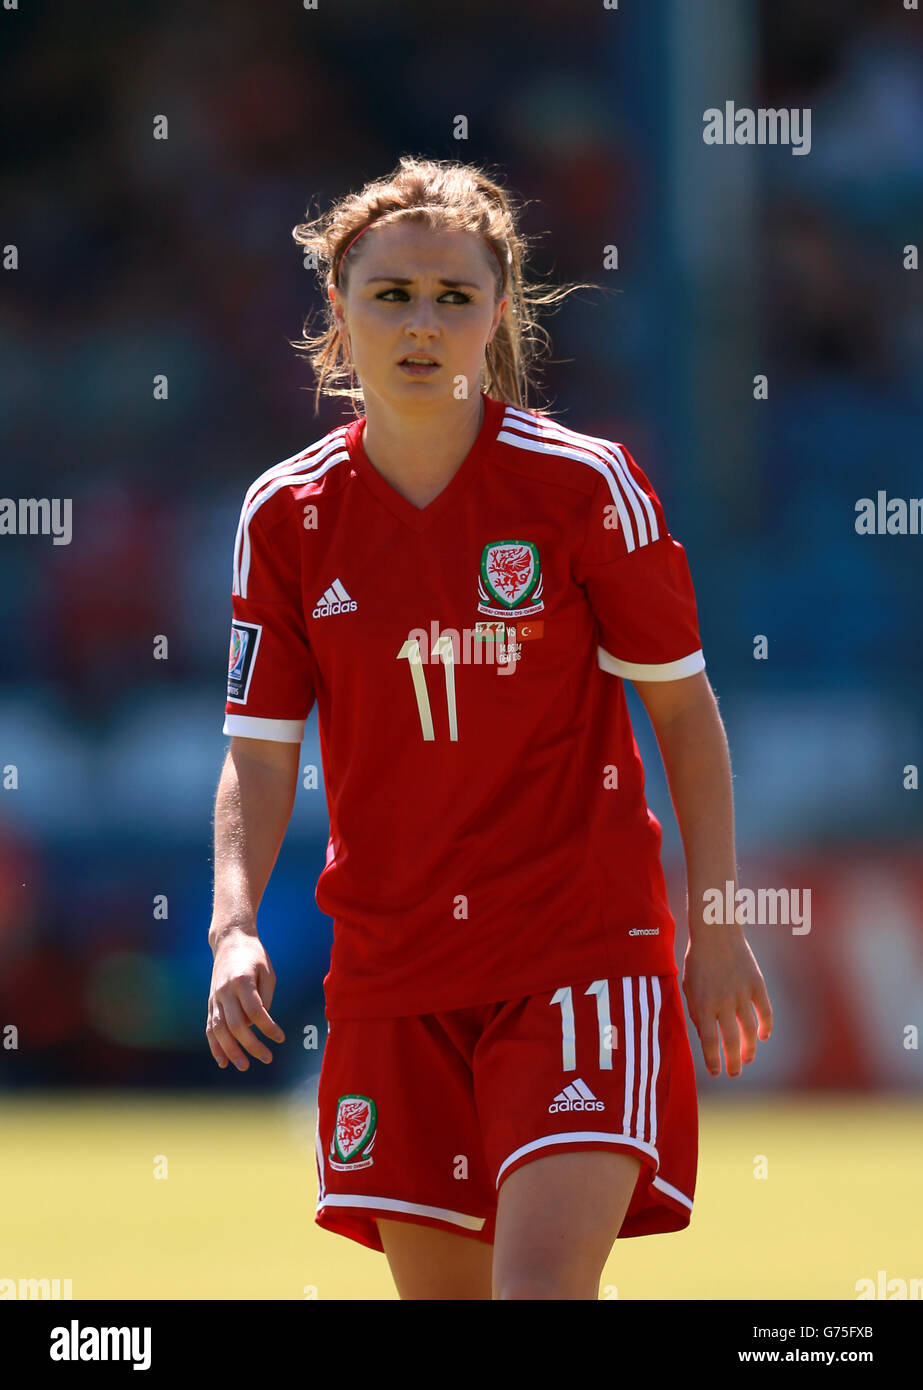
(422, 1118)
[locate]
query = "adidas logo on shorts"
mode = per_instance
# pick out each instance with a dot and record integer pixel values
(576, 1096)
(335, 599)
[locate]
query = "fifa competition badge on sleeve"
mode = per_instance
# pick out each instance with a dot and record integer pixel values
(245, 638)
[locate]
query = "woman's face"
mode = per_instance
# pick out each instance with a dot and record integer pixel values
(398, 303)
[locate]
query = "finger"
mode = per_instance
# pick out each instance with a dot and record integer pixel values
(730, 1034)
(763, 1009)
(211, 1024)
(216, 1050)
(266, 985)
(223, 1034)
(252, 1005)
(241, 1030)
(708, 1037)
(748, 1028)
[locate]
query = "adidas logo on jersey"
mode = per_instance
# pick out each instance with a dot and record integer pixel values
(334, 600)
(576, 1096)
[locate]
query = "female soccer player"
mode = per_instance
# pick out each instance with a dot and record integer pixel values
(463, 584)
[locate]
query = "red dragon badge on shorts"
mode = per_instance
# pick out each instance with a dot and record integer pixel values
(353, 1133)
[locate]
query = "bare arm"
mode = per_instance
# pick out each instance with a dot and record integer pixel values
(722, 981)
(695, 755)
(256, 792)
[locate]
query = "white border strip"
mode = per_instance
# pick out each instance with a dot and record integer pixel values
(275, 730)
(663, 671)
(554, 430)
(295, 470)
(655, 1045)
(555, 434)
(644, 1058)
(628, 1021)
(298, 479)
(584, 456)
(304, 456)
(672, 1191)
(319, 1155)
(457, 1218)
(578, 1136)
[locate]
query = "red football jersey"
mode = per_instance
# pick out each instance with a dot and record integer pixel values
(489, 833)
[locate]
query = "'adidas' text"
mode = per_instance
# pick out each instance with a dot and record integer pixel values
(335, 600)
(576, 1096)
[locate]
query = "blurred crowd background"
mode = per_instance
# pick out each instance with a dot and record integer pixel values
(140, 257)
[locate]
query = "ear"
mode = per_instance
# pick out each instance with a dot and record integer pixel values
(498, 315)
(336, 299)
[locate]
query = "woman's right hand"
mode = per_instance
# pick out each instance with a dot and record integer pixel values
(242, 986)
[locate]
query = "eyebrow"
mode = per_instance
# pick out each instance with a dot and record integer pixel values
(400, 280)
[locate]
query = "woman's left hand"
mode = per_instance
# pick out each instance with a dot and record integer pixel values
(723, 985)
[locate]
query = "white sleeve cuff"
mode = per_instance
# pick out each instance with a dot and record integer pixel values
(665, 671)
(276, 730)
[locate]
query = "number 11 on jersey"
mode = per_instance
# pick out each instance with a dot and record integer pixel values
(442, 647)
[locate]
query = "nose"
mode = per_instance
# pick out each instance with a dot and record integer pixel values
(422, 318)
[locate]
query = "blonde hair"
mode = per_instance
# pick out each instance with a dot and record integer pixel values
(440, 193)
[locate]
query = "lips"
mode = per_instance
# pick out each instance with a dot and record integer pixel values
(426, 360)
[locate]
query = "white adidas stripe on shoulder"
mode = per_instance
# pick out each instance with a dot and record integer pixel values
(306, 466)
(548, 437)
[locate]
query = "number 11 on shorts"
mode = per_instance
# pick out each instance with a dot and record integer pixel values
(608, 1035)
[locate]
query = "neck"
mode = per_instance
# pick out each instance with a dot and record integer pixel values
(419, 453)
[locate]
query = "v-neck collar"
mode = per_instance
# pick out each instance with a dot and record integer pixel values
(418, 518)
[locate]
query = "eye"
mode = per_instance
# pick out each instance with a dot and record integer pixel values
(461, 297)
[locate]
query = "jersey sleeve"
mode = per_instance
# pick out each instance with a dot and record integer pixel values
(270, 670)
(637, 580)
